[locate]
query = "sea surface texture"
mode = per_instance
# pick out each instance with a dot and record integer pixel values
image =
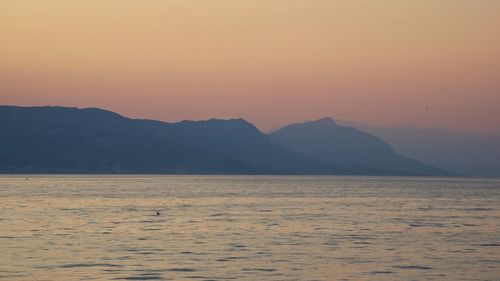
(248, 228)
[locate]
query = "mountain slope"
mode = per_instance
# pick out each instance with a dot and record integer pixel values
(91, 140)
(71, 140)
(463, 153)
(325, 141)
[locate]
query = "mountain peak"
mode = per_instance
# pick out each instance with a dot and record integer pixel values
(235, 123)
(324, 121)
(326, 142)
(240, 121)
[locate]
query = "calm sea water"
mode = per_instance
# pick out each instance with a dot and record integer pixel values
(248, 228)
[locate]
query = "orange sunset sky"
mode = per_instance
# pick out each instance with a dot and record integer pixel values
(270, 62)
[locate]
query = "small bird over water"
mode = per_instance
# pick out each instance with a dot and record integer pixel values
(157, 213)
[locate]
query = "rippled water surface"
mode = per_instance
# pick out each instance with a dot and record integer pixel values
(248, 228)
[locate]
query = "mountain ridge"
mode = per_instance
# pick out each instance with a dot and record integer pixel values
(54, 139)
(326, 141)
(464, 153)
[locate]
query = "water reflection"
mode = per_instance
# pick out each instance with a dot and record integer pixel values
(248, 228)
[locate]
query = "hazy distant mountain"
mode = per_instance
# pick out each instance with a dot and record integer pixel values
(464, 153)
(325, 141)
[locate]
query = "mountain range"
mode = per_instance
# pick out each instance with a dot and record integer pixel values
(463, 153)
(327, 142)
(51, 139)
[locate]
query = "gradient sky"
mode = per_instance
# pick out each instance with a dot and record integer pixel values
(270, 62)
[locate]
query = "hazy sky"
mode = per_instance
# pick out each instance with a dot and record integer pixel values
(270, 62)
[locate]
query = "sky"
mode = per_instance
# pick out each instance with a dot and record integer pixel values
(389, 62)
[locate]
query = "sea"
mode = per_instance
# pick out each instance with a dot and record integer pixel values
(136, 227)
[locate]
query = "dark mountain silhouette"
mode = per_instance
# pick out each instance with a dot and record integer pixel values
(71, 140)
(91, 140)
(463, 153)
(326, 142)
